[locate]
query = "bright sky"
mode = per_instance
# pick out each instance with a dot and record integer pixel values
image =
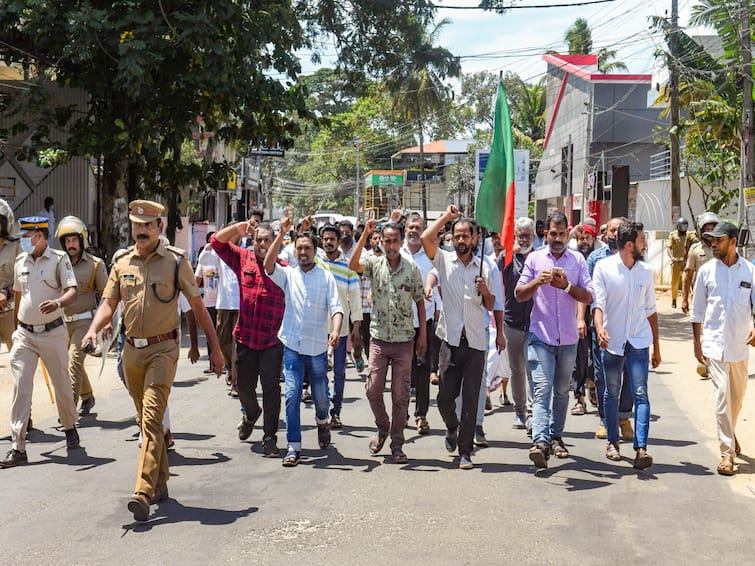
(516, 40)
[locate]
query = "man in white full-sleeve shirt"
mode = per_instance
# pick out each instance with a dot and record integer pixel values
(722, 328)
(626, 324)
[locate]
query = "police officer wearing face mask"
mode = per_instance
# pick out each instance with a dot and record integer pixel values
(679, 243)
(44, 284)
(699, 254)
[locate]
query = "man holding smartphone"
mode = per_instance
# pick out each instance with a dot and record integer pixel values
(556, 279)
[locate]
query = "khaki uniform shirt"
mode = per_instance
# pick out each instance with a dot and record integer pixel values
(393, 294)
(42, 279)
(90, 277)
(9, 251)
(145, 283)
(680, 245)
(699, 255)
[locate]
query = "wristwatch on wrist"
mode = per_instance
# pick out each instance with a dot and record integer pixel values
(568, 288)
(57, 302)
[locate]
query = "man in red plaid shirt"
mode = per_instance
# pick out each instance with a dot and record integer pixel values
(259, 353)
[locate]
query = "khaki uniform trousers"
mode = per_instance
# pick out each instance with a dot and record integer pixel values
(76, 358)
(730, 381)
(149, 376)
(7, 328)
(677, 269)
(28, 348)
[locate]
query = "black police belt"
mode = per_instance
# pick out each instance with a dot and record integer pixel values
(37, 328)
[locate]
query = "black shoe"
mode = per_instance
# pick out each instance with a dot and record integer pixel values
(306, 396)
(72, 439)
(14, 458)
(673, 304)
(465, 462)
(323, 435)
(452, 441)
(86, 406)
(246, 425)
(335, 422)
(479, 437)
(270, 447)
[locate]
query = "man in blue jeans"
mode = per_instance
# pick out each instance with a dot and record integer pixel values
(350, 295)
(556, 279)
(311, 300)
(626, 324)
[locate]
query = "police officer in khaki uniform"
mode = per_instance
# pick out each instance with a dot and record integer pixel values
(148, 279)
(9, 250)
(43, 285)
(91, 277)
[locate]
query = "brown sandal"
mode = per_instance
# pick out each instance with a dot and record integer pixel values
(558, 449)
(726, 467)
(612, 452)
(377, 442)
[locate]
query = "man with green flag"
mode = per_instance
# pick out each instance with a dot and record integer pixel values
(495, 200)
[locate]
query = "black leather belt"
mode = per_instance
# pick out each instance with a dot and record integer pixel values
(140, 343)
(37, 328)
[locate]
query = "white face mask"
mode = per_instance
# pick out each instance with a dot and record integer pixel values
(525, 249)
(26, 245)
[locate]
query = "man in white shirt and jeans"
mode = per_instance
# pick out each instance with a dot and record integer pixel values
(722, 328)
(626, 323)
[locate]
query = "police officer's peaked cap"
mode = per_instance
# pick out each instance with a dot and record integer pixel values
(144, 210)
(32, 223)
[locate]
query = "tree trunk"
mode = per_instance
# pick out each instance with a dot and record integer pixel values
(173, 212)
(118, 176)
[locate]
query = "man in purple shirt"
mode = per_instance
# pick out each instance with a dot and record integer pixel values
(556, 279)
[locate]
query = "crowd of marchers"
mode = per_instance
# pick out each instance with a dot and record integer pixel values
(567, 311)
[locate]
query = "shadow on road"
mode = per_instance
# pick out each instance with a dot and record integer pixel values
(675, 326)
(79, 458)
(192, 436)
(332, 459)
(189, 382)
(91, 421)
(171, 511)
(177, 459)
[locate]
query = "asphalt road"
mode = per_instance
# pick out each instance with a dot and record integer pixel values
(341, 505)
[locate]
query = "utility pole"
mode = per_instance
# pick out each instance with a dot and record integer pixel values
(747, 164)
(676, 193)
(356, 186)
(568, 181)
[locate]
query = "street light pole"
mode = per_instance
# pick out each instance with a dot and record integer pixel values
(676, 193)
(356, 186)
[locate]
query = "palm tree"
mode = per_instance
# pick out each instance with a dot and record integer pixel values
(579, 41)
(417, 87)
(530, 110)
(605, 65)
(579, 37)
